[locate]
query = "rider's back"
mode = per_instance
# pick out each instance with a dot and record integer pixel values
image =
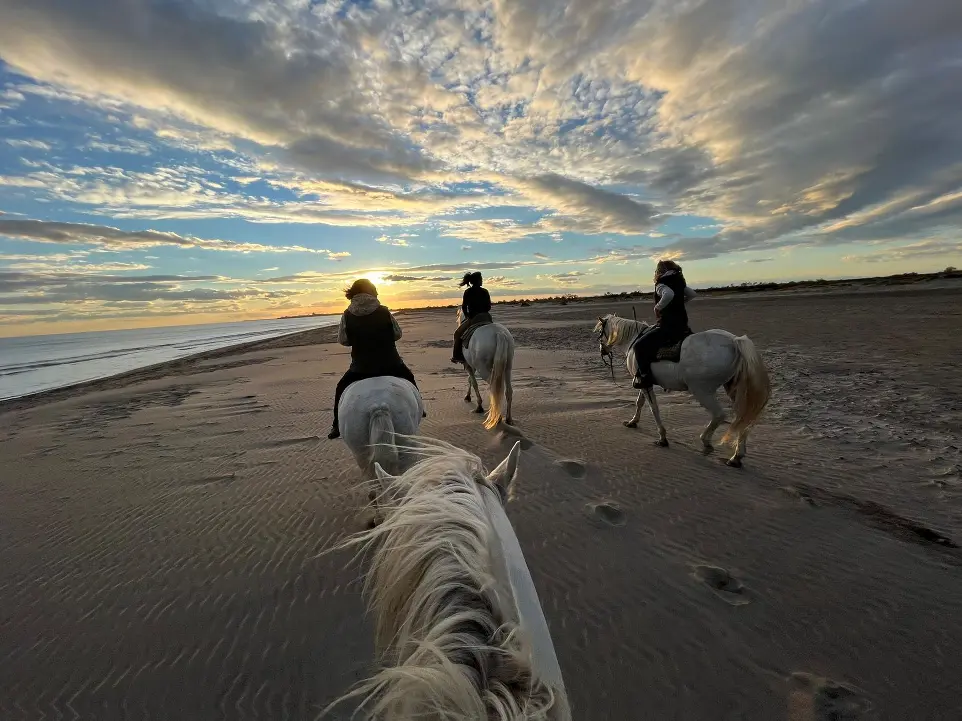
(476, 300)
(371, 331)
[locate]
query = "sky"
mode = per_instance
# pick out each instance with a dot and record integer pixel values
(186, 161)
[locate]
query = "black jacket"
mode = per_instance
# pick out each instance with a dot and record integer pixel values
(371, 331)
(476, 300)
(674, 316)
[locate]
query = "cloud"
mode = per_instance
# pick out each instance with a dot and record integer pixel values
(396, 278)
(583, 208)
(150, 293)
(341, 255)
(42, 231)
(216, 70)
(33, 144)
(388, 240)
(924, 250)
(572, 277)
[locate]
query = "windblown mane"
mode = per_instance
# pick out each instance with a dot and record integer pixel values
(623, 330)
(447, 636)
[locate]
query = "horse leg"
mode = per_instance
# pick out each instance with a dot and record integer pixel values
(508, 396)
(639, 404)
(709, 402)
(467, 398)
(662, 433)
(473, 383)
(736, 460)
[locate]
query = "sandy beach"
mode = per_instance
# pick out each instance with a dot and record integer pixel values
(161, 532)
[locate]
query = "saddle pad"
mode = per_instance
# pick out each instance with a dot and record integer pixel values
(470, 331)
(670, 353)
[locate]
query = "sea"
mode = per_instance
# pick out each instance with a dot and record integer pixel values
(32, 364)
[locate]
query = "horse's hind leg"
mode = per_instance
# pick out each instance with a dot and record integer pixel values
(709, 401)
(740, 444)
(662, 433)
(473, 383)
(639, 404)
(508, 396)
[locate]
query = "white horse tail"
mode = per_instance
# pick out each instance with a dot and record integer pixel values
(500, 366)
(749, 389)
(381, 438)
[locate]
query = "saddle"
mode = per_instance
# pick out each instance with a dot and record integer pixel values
(671, 353)
(469, 331)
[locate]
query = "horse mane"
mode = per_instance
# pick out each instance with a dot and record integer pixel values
(448, 640)
(623, 330)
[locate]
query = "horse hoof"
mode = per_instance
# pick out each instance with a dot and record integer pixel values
(707, 449)
(630, 424)
(467, 398)
(509, 421)
(734, 463)
(662, 443)
(479, 410)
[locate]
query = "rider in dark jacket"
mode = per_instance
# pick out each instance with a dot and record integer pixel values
(371, 331)
(476, 307)
(671, 325)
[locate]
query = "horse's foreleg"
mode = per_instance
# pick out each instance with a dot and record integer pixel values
(709, 402)
(662, 433)
(639, 404)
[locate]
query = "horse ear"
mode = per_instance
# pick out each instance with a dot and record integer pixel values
(504, 474)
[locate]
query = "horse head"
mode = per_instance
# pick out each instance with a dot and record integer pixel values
(603, 328)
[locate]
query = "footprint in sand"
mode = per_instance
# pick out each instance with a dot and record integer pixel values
(508, 432)
(284, 442)
(571, 466)
(799, 494)
(607, 513)
(221, 480)
(724, 585)
(814, 698)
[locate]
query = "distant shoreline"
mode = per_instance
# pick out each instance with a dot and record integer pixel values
(177, 366)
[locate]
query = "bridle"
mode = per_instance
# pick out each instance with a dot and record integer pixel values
(607, 357)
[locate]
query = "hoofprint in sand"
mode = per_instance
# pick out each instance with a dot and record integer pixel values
(162, 533)
(708, 360)
(459, 629)
(490, 354)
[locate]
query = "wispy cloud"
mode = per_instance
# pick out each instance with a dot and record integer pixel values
(42, 231)
(26, 143)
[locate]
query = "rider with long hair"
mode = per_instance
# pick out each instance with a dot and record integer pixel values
(476, 307)
(671, 325)
(372, 332)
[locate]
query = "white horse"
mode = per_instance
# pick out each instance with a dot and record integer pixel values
(709, 360)
(370, 412)
(490, 353)
(459, 629)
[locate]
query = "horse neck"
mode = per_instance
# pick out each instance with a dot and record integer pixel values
(438, 614)
(625, 331)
